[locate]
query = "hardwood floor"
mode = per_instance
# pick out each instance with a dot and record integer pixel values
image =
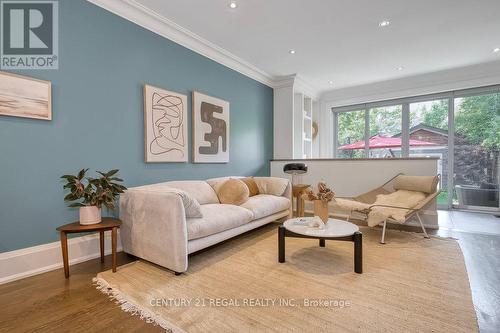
(461, 221)
(479, 237)
(50, 303)
(481, 253)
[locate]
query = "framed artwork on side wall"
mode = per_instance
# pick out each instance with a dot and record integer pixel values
(22, 96)
(210, 129)
(165, 125)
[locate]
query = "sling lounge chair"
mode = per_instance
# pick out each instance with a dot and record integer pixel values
(418, 192)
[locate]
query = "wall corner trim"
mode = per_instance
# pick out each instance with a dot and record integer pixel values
(23, 263)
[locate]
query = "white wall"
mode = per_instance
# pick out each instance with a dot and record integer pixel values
(298, 125)
(325, 133)
(316, 119)
(352, 177)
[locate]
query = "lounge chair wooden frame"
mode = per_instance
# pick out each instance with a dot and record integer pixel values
(370, 196)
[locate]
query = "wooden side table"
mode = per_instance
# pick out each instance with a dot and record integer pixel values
(297, 191)
(107, 223)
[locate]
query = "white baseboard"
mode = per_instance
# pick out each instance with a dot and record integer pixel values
(22, 263)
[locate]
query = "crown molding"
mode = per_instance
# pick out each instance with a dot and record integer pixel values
(298, 83)
(284, 81)
(306, 87)
(466, 77)
(133, 11)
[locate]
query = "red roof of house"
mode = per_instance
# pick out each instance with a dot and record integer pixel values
(379, 141)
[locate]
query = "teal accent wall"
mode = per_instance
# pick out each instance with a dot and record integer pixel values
(98, 120)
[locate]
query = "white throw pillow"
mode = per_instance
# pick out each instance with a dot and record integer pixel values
(191, 205)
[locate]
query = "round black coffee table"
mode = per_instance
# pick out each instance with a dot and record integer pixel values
(337, 230)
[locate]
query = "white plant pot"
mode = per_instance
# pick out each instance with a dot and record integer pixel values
(90, 215)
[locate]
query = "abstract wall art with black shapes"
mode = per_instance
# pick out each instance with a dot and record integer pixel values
(165, 125)
(210, 129)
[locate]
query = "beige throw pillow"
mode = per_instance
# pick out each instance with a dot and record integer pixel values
(271, 185)
(426, 184)
(233, 192)
(252, 186)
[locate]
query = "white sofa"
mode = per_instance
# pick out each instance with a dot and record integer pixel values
(155, 227)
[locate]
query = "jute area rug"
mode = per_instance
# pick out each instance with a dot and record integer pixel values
(411, 284)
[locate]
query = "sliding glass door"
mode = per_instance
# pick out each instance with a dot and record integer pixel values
(428, 137)
(461, 128)
(476, 152)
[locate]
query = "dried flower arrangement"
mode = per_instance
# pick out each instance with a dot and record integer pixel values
(324, 194)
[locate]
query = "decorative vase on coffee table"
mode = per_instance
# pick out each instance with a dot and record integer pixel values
(90, 215)
(321, 210)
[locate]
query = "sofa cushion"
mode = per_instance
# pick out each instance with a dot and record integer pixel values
(271, 185)
(217, 218)
(263, 205)
(253, 189)
(233, 192)
(199, 189)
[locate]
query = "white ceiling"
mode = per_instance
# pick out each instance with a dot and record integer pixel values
(340, 40)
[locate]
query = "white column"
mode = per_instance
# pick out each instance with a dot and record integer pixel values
(283, 122)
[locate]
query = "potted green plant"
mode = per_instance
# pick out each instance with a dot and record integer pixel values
(90, 194)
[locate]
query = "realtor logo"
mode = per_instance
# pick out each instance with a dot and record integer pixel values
(29, 35)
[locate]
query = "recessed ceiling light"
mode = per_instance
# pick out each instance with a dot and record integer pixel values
(330, 82)
(384, 23)
(291, 51)
(233, 5)
(496, 50)
(400, 68)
